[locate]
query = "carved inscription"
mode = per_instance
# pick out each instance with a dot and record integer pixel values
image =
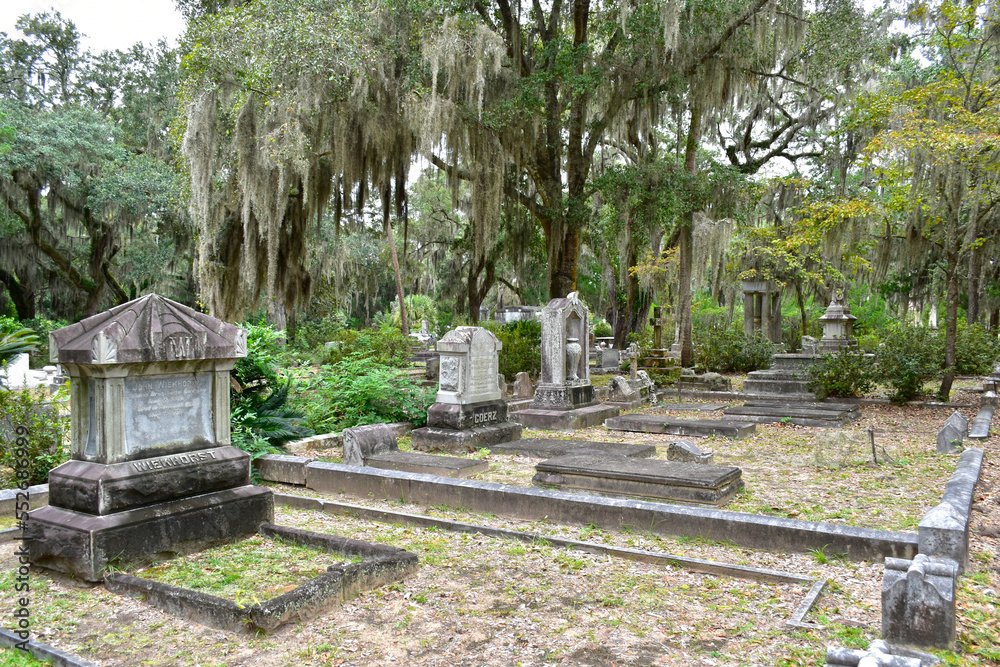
(192, 458)
(485, 417)
(483, 378)
(167, 409)
(179, 347)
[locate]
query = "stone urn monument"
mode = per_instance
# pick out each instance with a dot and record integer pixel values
(153, 473)
(564, 398)
(838, 325)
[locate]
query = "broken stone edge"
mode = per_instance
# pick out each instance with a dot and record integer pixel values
(380, 565)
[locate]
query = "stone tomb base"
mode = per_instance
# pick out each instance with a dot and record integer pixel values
(437, 439)
(657, 480)
(566, 420)
(430, 464)
(544, 448)
(85, 545)
(672, 426)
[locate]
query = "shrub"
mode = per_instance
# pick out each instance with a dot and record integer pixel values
(846, 373)
(602, 329)
(907, 358)
(721, 349)
(385, 345)
(46, 433)
(358, 391)
(259, 411)
(521, 350)
(15, 343)
(976, 350)
(315, 331)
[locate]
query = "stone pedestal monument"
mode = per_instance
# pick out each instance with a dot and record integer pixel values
(838, 326)
(564, 398)
(153, 471)
(659, 357)
(469, 411)
(762, 309)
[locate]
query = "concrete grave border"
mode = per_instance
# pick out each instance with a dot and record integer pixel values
(44, 652)
(380, 565)
(696, 564)
(750, 530)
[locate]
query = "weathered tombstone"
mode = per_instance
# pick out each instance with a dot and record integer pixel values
(658, 322)
(810, 345)
(425, 328)
(361, 442)
(564, 398)
(686, 451)
(959, 422)
(838, 325)
(469, 412)
(432, 367)
(522, 386)
(949, 439)
(918, 601)
(153, 471)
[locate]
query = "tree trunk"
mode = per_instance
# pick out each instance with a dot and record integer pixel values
(975, 271)
(686, 243)
(802, 306)
(21, 294)
(951, 327)
(403, 324)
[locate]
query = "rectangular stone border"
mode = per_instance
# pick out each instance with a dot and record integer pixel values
(380, 565)
(639, 555)
(44, 652)
(38, 496)
(944, 529)
(749, 530)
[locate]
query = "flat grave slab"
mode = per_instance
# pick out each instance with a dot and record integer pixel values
(565, 420)
(981, 424)
(546, 449)
(673, 426)
(431, 464)
(699, 407)
(658, 480)
(811, 414)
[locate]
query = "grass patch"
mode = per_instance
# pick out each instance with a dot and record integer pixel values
(255, 569)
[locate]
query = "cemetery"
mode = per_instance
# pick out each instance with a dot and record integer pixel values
(600, 334)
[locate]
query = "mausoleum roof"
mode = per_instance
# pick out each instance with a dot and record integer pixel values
(149, 329)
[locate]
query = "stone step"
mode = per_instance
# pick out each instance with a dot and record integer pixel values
(794, 361)
(797, 416)
(777, 387)
(431, 464)
(672, 426)
(543, 448)
(658, 480)
(698, 407)
(565, 420)
(981, 424)
(777, 375)
(799, 405)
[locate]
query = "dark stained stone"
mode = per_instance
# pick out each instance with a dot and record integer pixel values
(673, 426)
(543, 448)
(660, 480)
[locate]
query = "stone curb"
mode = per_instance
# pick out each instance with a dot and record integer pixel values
(44, 652)
(38, 496)
(944, 529)
(750, 530)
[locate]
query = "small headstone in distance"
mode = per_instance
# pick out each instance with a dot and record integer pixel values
(958, 420)
(948, 440)
(688, 452)
(522, 386)
(432, 368)
(360, 442)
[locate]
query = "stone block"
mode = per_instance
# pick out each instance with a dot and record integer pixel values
(433, 438)
(686, 451)
(283, 469)
(565, 420)
(544, 448)
(522, 386)
(431, 464)
(96, 488)
(360, 442)
(949, 440)
(85, 545)
(460, 416)
(943, 533)
(657, 480)
(672, 426)
(981, 424)
(918, 601)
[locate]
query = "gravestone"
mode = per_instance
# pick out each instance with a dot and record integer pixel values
(153, 470)
(659, 357)
(949, 440)
(958, 420)
(362, 442)
(522, 386)
(830, 415)
(657, 480)
(469, 411)
(686, 451)
(918, 601)
(427, 464)
(981, 424)
(639, 423)
(564, 397)
(838, 325)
